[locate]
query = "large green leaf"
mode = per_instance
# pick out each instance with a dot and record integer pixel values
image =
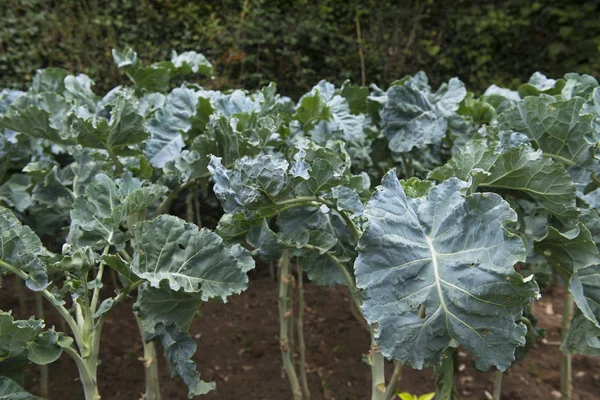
(124, 128)
(20, 247)
(15, 192)
(585, 288)
(96, 217)
(440, 268)
(28, 337)
(169, 249)
(168, 125)
(558, 129)
(179, 348)
(566, 254)
(10, 390)
(583, 337)
(251, 182)
(165, 306)
(520, 169)
(412, 116)
(39, 116)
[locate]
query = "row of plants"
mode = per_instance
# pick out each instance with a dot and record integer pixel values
(441, 212)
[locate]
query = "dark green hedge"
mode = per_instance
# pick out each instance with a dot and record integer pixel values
(297, 43)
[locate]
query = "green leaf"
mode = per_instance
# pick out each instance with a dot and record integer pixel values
(558, 129)
(124, 128)
(264, 240)
(356, 96)
(28, 337)
(565, 253)
(585, 288)
(96, 216)
(539, 83)
(520, 169)
(20, 247)
(167, 126)
(251, 182)
(118, 264)
(10, 390)
(38, 116)
(582, 337)
(418, 253)
(52, 189)
(179, 348)
(15, 192)
(190, 62)
(49, 80)
(165, 306)
(321, 168)
(79, 90)
(444, 372)
(233, 227)
(412, 116)
(169, 249)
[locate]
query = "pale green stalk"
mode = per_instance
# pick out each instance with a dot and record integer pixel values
(566, 373)
(497, 385)
(284, 339)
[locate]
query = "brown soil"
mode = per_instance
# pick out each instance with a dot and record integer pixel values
(238, 347)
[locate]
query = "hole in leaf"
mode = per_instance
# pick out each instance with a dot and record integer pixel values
(422, 311)
(181, 247)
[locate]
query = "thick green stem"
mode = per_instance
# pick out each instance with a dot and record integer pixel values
(284, 340)
(497, 385)
(393, 386)
(300, 328)
(377, 371)
(565, 361)
(150, 366)
(64, 313)
(39, 311)
(88, 379)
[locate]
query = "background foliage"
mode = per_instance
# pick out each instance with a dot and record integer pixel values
(297, 43)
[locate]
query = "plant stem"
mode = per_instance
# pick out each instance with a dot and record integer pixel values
(39, 310)
(166, 204)
(96, 294)
(497, 384)
(64, 313)
(300, 327)
(189, 207)
(197, 208)
(284, 341)
(290, 318)
(88, 380)
(22, 297)
(115, 160)
(272, 270)
(396, 375)
(150, 366)
(565, 360)
(378, 391)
